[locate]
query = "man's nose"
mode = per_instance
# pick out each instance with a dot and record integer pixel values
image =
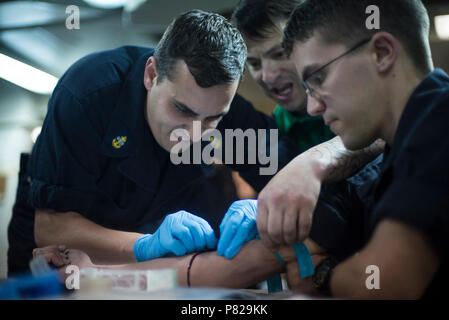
(194, 130)
(270, 72)
(199, 127)
(315, 106)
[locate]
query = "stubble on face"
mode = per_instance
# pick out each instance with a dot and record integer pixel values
(204, 104)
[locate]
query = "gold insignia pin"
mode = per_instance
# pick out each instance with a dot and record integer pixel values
(119, 141)
(216, 143)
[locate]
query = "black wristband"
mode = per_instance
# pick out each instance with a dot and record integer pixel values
(323, 272)
(190, 266)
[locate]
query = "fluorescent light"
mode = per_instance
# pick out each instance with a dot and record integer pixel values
(442, 26)
(106, 4)
(26, 76)
(35, 133)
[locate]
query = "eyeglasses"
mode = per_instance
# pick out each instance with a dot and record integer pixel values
(315, 79)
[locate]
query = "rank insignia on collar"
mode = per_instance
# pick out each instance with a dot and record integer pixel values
(215, 142)
(119, 141)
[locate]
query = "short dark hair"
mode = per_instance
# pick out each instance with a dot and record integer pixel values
(213, 49)
(344, 21)
(256, 19)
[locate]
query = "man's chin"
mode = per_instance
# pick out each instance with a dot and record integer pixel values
(177, 147)
(294, 106)
(354, 144)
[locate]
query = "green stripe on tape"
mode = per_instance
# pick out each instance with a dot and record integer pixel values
(304, 260)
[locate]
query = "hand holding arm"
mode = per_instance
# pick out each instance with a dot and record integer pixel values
(295, 282)
(287, 203)
(180, 233)
(237, 227)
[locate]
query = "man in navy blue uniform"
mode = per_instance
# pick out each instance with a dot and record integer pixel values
(381, 83)
(100, 177)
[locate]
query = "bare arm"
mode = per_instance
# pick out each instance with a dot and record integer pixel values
(74, 231)
(406, 261)
(254, 263)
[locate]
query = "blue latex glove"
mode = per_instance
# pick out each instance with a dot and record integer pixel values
(238, 227)
(180, 233)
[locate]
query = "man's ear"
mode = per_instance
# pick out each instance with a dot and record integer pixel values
(385, 51)
(150, 74)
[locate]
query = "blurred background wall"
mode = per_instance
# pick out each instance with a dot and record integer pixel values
(44, 35)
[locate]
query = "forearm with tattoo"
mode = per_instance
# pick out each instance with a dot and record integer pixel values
(340, 163)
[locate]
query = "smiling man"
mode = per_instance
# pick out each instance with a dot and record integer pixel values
(370, 84)
(261, 23)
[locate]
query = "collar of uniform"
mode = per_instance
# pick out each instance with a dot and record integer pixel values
(124, 134)
(420, 103)
(288, 119)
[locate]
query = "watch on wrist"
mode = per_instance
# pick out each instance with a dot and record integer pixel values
(322, 275)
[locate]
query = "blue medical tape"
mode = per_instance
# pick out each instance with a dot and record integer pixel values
(279, 258)
(274, 284)
(304, 259)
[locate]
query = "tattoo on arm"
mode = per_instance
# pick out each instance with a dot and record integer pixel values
(343, 163)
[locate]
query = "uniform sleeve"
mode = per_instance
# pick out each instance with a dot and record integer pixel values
(64, 165)
(338, 219)
(277, 151)
(419, 191)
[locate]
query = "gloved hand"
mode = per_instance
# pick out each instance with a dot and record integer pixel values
(180, 233)
(238, 227)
